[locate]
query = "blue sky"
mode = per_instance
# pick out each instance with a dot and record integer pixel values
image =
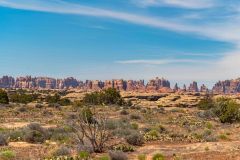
(181, 40)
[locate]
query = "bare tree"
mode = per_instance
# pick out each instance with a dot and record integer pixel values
(92, 128)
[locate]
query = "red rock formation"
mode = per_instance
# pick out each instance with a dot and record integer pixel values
(227, 87)
(156, 84)
(108, 84)
(7, 82)
(97, 85)
(193, 87)
(204, 89)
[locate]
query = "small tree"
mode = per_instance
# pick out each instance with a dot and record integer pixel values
(3, 97)
(91, 126)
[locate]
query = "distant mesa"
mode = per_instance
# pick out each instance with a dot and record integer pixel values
(160, 85)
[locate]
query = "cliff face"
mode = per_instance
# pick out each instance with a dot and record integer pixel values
(157, 84)
(227, 87)
(193, 87)
(153, 85)
(7, 82)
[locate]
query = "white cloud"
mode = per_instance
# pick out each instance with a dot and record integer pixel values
(160, 62)
(227, 30)
(191, 4)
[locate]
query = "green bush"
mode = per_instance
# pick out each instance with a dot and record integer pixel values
(84, 155)
(107, 96)
(158, 156)
(53, 99)
(104, 158)
(151, 135)
(134, 126)
(142, 157)
(206, 103)
(227, 110)
(22, 97)
(7, 155)
(123, 148)
(3, 97)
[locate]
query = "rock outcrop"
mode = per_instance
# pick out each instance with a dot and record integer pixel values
(227, 87)
(7, 82)
(157, 84)
(193, 87)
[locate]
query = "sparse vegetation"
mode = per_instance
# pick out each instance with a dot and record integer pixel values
(3, 97)
(7, 155)
(158, 156)
(117, 155)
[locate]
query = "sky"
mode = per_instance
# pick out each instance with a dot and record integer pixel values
(181, 40)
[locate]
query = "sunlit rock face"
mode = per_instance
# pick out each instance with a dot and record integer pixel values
(157, 84)
(227, 87)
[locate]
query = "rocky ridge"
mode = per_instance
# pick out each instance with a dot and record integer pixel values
(154, 85)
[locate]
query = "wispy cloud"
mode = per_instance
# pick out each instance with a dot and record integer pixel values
(161, 61)
(224, 31)
(227, 30)
(191, 4)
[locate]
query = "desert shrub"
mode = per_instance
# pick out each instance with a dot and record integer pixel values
(209, 125)
(123, 148)
(122, 132)
(142, 157)
(135, 117)
(117, 155)
(16, 135)
(158, 156)
(53, 99)
(151, 135)
(134, 126)
(3, 140)
(206, 103)
(87, 114)
(135, 139)
(104, 158)
(161, 128)
(84, 154)
(58, 134)
(112, 124)
(34, 133)
(65, 102)
(124, 112)
(77, 104)
(85, 148)
(206, 114)
(3, 97)
(7, 155)
(22, 97)
(61, 151)
(223, 137)
(107, 96)
(227, 110)
(39, 106)
(22, 109)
